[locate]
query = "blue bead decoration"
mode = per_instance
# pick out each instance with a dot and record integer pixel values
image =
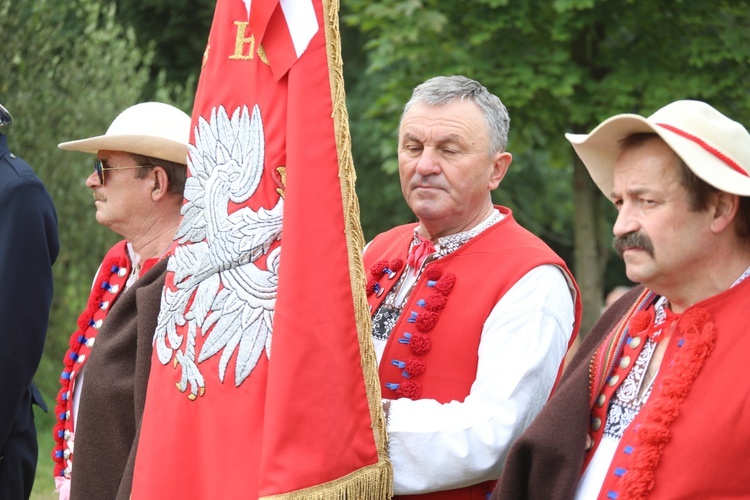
(421, 302)
(105, 285)
(431, 283)
(628, 450)
(115, 269)
(619, 471)
(680, 342)
(65, 375)
(612, 494)
(61, 416)
(82, 339)
(397, 363)
(392, 386)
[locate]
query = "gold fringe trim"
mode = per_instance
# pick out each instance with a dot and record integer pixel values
(370, 483)
(374, 482)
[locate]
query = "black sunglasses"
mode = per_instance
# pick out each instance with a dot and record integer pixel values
(99, 168)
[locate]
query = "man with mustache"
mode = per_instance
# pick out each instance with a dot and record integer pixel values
(655, 405)
(472, 314)
(137, 182)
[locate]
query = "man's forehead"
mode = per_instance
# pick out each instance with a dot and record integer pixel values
(106, 154)
(442, 123)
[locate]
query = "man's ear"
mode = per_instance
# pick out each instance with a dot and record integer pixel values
(160, 186)
(499, 168)
(725, 207)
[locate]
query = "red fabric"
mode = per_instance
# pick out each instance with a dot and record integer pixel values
(690, 438)
(301, 418)
(446, 338)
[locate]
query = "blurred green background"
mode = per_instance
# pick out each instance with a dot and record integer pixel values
(68, 68)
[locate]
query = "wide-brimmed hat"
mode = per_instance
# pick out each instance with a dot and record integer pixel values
(5, 116)
(714, 147)
(151, 129)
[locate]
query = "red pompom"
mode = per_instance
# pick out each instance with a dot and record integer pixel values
(445, 284)
(397, 265)
(426, 321)
(420, 343)
(433, 272)
(377, 269)
(370, 287)
(435, 302)
(409, 389)
(640, 322)
(415, 366)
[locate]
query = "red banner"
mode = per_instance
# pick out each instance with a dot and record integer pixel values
(263, 380)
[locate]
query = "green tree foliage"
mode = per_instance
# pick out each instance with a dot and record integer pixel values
(559, 66)
(176, 33)
(68, 70)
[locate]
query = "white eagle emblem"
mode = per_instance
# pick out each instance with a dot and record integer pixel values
(219, 291)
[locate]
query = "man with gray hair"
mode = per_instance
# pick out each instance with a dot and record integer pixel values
(655, 404)
(472, 314)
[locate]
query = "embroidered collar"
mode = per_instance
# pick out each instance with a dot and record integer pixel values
(446, 245)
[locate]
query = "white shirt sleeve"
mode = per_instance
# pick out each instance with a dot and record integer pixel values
(435, 446)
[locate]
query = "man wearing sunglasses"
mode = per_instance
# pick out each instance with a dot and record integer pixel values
(28, 248)
(137, 184)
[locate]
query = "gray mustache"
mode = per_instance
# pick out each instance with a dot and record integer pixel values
(632, 240)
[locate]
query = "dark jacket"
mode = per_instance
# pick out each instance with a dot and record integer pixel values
(28, 248)
(545, 462)
(114, 393)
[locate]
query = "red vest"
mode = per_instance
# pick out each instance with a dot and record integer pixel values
(691, 438)
(432, 352)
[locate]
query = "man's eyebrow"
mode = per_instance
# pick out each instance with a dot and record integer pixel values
(637, 191)
(411, 137)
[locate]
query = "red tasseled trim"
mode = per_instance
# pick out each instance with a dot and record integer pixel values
(663, 406)
(83, 323)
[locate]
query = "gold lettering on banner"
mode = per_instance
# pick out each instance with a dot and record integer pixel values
(240, 41)
(262, 55)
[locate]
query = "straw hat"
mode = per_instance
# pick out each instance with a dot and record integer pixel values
(150, 129)
(714, 147)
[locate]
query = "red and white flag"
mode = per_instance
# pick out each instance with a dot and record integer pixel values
(263, 380)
